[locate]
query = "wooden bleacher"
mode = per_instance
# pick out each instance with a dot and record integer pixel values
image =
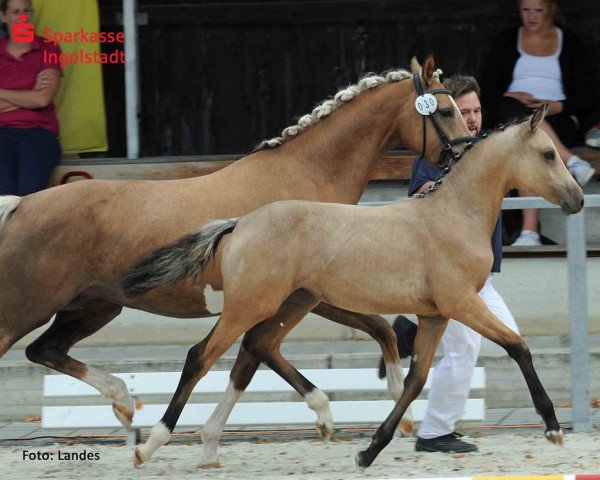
(395, 165)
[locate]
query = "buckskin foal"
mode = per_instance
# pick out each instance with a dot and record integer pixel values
(429, 256)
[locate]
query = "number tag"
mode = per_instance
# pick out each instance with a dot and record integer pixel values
(426, 104)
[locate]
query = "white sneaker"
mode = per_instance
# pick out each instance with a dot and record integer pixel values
(528, 238)
(592, 137)
(581, 170)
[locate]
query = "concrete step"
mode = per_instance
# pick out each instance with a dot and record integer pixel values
(21, 381)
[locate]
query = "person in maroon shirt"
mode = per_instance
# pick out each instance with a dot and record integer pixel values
(29, 146)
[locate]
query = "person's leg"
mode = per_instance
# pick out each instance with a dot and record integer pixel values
(592, 136)
(450, 385)
(8, 162)
(39, 153)
(529, 228)
(506, 110)
(529, 235)
(563, 131)
(498, 307)
(563, 151)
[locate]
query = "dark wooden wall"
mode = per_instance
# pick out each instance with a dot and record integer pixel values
(218, 77)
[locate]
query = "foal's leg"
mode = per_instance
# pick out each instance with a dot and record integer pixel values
(242, 372)
(264, 345)
(261, 343)
(475, 314)
(200, 358)
(381, 331)
(429, 334)
(68, 328)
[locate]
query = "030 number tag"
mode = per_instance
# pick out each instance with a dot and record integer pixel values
(426, 104)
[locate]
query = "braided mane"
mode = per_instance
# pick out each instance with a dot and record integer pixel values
(329, 106)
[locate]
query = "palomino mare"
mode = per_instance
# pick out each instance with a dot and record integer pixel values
(398, 258)
(62, 250)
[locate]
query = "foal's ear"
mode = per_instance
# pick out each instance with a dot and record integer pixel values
(537, 117)
(415, 66)
(428, 69)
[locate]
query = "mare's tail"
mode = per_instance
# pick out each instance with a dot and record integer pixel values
(8, 205)
(188, 256)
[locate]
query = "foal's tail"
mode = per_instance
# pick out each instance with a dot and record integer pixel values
(188, 256)
(8, 205)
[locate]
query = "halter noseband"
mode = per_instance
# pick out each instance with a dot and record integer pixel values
(447, 145)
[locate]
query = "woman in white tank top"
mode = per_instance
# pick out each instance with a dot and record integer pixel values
(539, 75)
(537, 79)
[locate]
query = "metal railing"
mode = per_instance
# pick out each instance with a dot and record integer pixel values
(578, 310)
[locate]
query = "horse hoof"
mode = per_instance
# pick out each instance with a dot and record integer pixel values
(554, 436)
(361, 461)
(324, 431)
(210, 465)
(123, 414)
(405, 428)
(137, 458)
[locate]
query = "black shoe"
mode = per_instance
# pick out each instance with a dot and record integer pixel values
(406, 331)
(450, 443)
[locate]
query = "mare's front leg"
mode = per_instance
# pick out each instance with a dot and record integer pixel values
(429, 334)
(474, 313)
(382, 332)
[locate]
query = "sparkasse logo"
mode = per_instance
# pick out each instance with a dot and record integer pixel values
(22, 32)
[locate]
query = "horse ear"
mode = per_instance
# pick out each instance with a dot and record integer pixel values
(428, 69)
(415, 66)
(537, 117)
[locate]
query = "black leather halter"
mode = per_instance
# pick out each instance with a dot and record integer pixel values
(447, 145)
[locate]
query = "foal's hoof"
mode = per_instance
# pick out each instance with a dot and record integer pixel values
(361, 460)
(554, 436)
(138, 459)
(324, 430)
(210, 465)
(405, 428)
(123, 414)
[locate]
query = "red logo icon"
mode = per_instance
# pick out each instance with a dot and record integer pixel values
(22, 32)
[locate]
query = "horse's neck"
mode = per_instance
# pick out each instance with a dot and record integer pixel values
(343, 148)
(479, 182)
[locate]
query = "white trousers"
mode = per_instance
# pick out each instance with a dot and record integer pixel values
(451, 379)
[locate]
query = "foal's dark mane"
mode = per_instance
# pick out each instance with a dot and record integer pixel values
(481, 138)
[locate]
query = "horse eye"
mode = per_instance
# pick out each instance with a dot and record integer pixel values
(446, 112)
(549, 155)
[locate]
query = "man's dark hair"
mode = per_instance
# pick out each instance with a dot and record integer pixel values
(462, 84)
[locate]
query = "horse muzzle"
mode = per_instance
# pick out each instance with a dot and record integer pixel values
(572, 204)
